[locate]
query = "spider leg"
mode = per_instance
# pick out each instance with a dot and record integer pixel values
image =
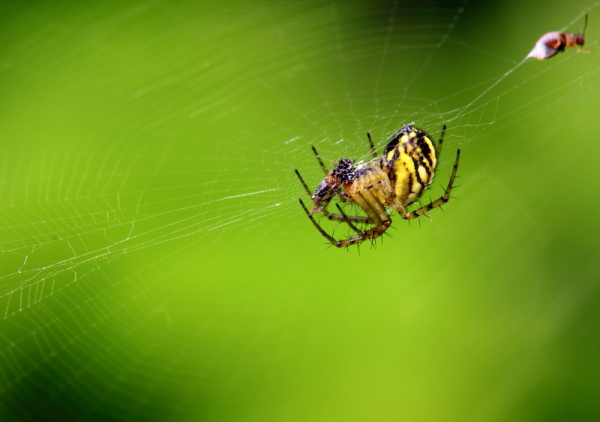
(372, 206)
(303, 183)
(336, 243)
(364, 204)
(438, 149)
(366, 235)
(377, 214)
(344, 197)
(361, 236)
(381, 215)
(323, 233)
(373, 152)
(355, 218)
(359, 232)
(320, 161)
(440, 201)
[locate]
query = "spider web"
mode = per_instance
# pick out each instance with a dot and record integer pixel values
(156, 264)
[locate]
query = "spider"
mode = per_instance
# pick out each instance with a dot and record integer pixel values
(395, 180)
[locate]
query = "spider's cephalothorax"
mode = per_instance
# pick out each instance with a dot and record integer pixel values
(394, 180)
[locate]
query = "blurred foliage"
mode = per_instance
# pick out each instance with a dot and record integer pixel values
(156, 264)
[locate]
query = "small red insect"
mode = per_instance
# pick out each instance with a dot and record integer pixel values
(552, 43)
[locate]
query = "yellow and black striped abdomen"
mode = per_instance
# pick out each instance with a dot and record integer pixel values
(409, 160)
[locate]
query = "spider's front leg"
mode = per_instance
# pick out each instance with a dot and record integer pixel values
(323, 233)
(377, 216)
(361, 235)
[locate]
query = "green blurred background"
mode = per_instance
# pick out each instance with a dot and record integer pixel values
(156, 265)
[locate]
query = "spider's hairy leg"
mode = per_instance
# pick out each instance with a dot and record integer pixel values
(366, 235)
(320, 161)
(372, 146)
(377, 214)
(344, 197)
(354, 218)
(367, 191)
(303, 183)
(359, 232)
(440, 201)
(374, 218)
(336, 243)
(312, 219)
(361, 235)
(376, 206)
(438, 149)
